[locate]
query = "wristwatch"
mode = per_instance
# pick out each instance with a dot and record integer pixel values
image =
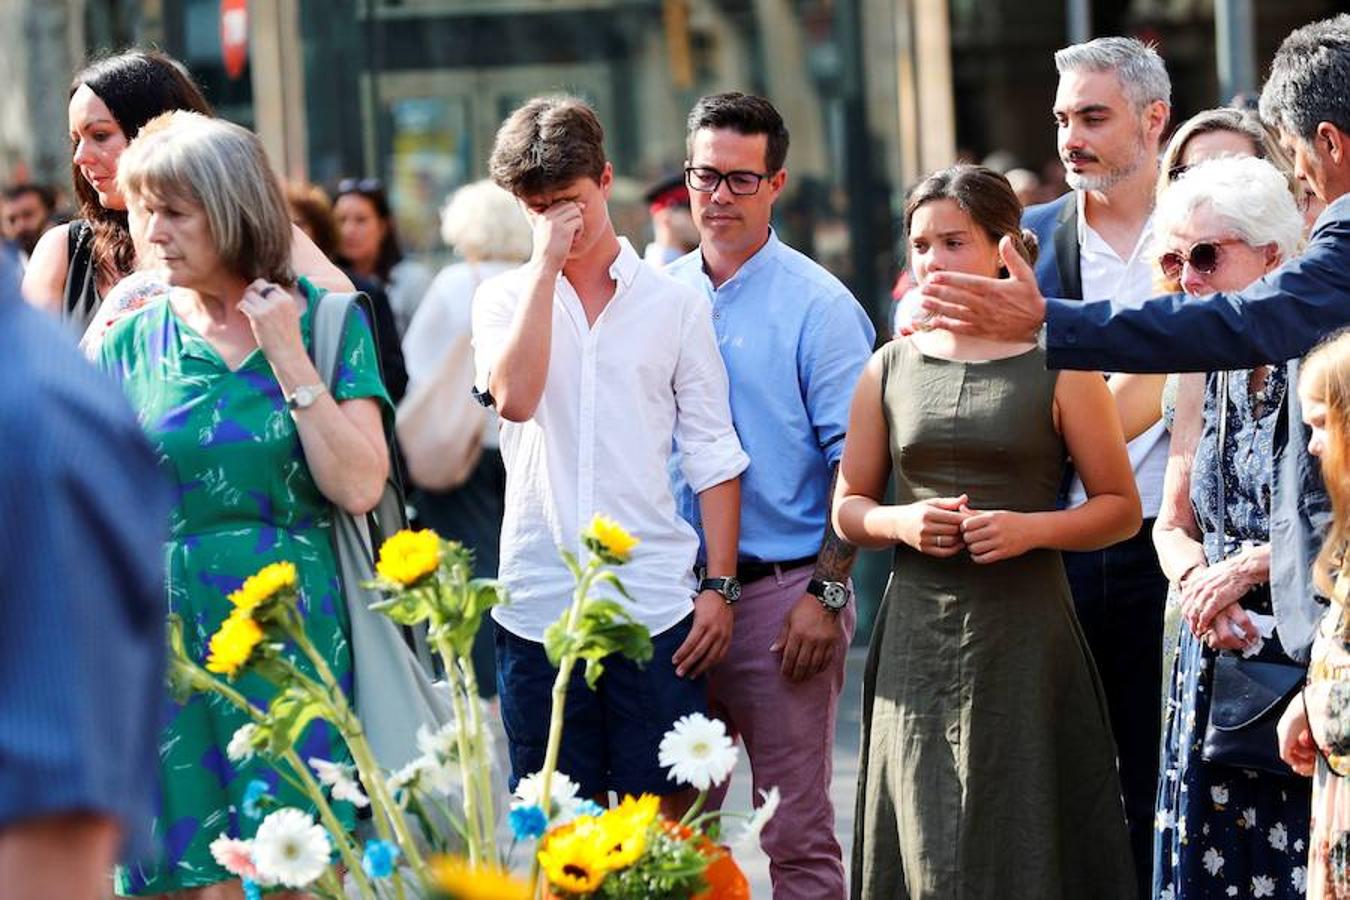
(833, 595)
(729, 588)
(305, 395)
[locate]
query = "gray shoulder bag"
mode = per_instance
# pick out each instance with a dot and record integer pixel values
(393, 693)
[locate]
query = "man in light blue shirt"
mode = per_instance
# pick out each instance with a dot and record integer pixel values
(794, 341)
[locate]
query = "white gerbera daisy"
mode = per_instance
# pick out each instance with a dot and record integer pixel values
(240, 747)
(338, 777)
(530, 790)
(442, 744)
(410, 777)
(698, 751)
(748, 838)
(290, 848)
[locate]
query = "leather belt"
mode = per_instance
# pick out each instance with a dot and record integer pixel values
(748, 570)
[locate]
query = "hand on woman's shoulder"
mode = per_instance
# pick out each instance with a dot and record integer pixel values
(44, 281)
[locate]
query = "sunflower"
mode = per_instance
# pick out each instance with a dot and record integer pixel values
(634, 813)
(233, 644)
(572, 857)
(620, 844)
(409, 556)
(456, 880)
(608, 540)
(263, 586)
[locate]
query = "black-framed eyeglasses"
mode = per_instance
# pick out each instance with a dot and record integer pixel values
(360, 186)
(1204, 257)
(706, 180)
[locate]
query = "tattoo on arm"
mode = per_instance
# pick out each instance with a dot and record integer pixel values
(836, 554)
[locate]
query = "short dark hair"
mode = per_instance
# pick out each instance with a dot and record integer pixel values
(743, 114)
(1308, 79)
(44, 194)
(136, 86)
(986, 197)
(547, 144)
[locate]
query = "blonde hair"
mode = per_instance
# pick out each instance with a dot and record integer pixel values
(222, 168)
(1325, 377)
(1265, 143)
(483, 222)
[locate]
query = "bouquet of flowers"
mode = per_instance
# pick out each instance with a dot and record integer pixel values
(581, 849)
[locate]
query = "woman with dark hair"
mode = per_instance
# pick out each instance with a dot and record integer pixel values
(312, 213)
(368, 247)
(75, 265)
(988, 766)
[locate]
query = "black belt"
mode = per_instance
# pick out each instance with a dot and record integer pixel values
(748, 570)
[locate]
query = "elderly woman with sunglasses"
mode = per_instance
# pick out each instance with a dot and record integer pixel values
(1223, 831)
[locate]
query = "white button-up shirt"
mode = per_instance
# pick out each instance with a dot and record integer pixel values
(618, 393)
(1105, 276)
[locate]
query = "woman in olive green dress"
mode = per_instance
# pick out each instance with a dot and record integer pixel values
(988, 767)
(220, 373)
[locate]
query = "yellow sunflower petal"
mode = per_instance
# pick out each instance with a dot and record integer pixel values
(264, 585)
(409, 556)
(233, 644)
(454, 877)
(608, 539)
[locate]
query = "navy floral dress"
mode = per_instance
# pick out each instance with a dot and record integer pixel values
(1221, 831)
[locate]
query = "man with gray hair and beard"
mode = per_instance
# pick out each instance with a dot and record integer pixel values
(1110, 111)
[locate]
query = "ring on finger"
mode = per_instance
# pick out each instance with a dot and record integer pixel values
(941, 540)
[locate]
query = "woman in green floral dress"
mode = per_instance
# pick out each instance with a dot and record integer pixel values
(220, 373)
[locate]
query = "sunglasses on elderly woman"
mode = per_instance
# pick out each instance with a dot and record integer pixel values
(1204, 257)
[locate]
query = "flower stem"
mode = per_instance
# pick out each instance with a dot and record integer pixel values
(311, 787)
(482, 763)
(386, 812)
(472, 821)
(555, 726)
(695, 809)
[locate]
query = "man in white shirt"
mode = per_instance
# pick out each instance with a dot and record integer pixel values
(1111, 109)
(597, 363)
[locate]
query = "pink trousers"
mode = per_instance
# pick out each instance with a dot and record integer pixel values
(788, 731)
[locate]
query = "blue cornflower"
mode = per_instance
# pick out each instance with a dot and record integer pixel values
(379, 858)
(253, 795)
(590, 808)
(528, 822)
(251, 890)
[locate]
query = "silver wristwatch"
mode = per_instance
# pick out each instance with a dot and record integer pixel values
(304, 396)
(833, 595)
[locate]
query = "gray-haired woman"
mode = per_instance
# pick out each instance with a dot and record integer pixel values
(219, 369)
(1223, 831)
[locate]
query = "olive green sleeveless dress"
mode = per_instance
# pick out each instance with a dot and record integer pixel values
(988, 767)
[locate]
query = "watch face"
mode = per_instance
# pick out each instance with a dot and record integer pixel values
(304, 396)
(733, 590)
(835, 596)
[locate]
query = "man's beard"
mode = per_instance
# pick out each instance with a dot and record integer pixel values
(1112, 177)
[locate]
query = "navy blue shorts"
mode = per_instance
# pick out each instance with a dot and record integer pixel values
(611, 736)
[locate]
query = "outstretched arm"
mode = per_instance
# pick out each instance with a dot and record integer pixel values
(1277, 318)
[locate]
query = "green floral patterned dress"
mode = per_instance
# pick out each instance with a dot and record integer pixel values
(244, 498)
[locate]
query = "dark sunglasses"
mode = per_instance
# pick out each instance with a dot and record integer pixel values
(360, 186)
(1204, 257)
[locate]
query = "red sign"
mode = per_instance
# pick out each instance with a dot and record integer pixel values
(234, 36)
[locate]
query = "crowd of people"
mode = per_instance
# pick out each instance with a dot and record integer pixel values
(1110, 662)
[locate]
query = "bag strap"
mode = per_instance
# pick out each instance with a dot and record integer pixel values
(328, 324)
(1223, 448)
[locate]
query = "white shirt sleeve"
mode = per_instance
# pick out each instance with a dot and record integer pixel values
(494, 306)
(711, 452)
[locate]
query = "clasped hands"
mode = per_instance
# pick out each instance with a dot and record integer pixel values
(945, 526)
(1210, 607)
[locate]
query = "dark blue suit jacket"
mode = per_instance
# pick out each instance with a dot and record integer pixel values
(1280, 317)
(1055, 225)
